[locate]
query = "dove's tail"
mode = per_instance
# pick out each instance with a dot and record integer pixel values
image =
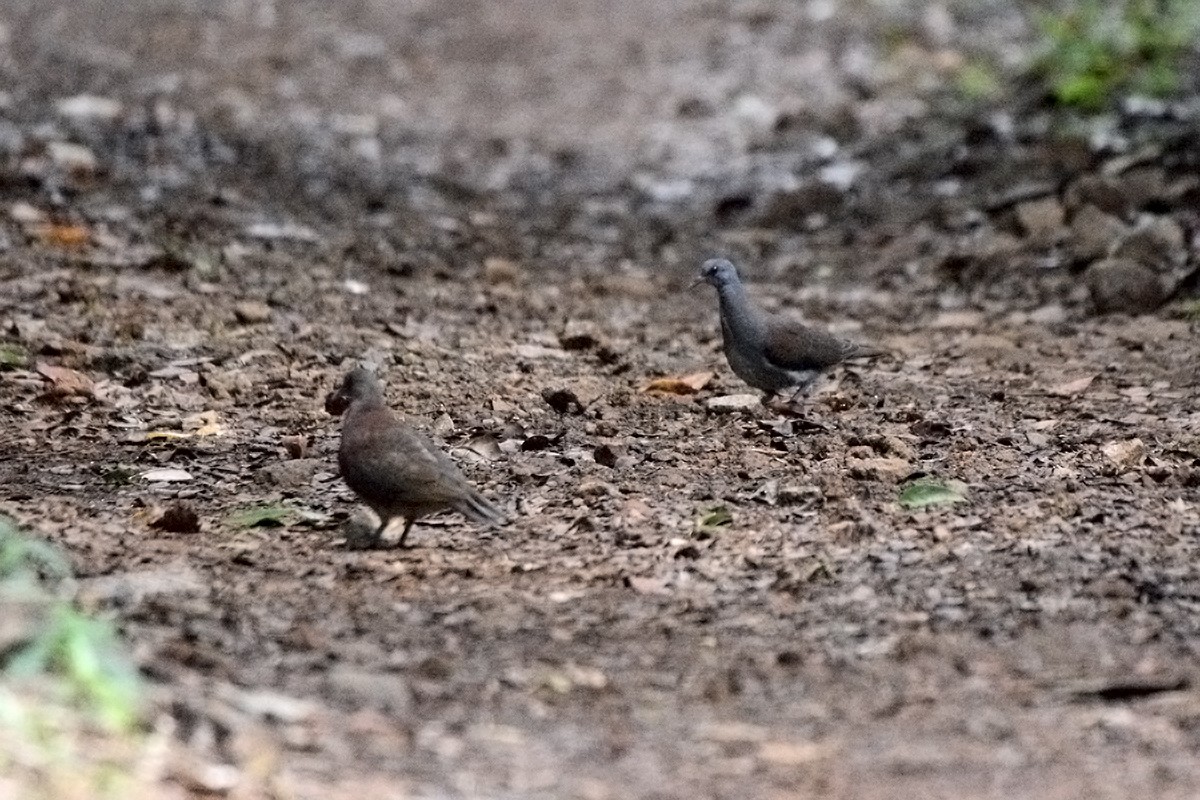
(478, 508)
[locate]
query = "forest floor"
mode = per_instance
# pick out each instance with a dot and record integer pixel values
(209, 214)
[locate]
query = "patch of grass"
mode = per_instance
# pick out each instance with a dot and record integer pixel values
(83, 653)
(1094, 50)
(70, 698)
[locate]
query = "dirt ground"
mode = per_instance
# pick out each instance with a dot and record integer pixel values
(212, 210)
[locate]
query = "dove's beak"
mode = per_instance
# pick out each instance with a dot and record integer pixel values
(695, 283)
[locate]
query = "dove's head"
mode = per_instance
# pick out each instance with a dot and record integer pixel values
(359, 384)
(717, 272)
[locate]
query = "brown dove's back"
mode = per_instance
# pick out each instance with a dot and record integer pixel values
(398, 472)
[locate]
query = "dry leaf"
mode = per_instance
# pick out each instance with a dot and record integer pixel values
(1072, 388)
(195, 425)
(1125, 455)
(203, 424)
(501, 270)
(166, 475)
(59, 235)
(66, 382)
(295, 446)
(687, 384)
(150, 435)
(178, 517)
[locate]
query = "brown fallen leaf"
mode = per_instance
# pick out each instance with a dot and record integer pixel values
(150, 436)
(295, 446)
(498, 270)
(65, 382)
(206, 423)
(195, 425)
(686, 384)
(1072, 387)
(211, 429)
(63, 235)
(179, 517)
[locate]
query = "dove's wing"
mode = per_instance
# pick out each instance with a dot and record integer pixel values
(795, 347)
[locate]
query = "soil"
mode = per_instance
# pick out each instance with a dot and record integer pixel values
(502, 206)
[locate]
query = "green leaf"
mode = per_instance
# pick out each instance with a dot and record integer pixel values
(97, 669)
(1094, 51)
(22, 556)
(13, 356)
(34, 659)
(977, 81)
(1087, 91)
(118, 475)
(77, 659)
(931, 492)
(713, 519)
(1158, 79)
(261, 516)
(83, 652)
(1191, 310)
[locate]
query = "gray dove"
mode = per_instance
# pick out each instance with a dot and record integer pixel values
(769, 352)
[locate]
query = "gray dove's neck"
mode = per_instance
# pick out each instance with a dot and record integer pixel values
(742, 317)
(369, 400)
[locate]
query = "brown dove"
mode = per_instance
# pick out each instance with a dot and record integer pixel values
(392, 468)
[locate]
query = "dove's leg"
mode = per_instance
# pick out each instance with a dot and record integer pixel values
(408, 523)
(796, 409)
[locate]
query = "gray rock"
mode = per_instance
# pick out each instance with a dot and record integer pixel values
(382, 691)
(1122, 285)
(293, 474)
(732, 403)
(1094, 234)
(1157, 243)
(1041, 219)
(251, 312)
